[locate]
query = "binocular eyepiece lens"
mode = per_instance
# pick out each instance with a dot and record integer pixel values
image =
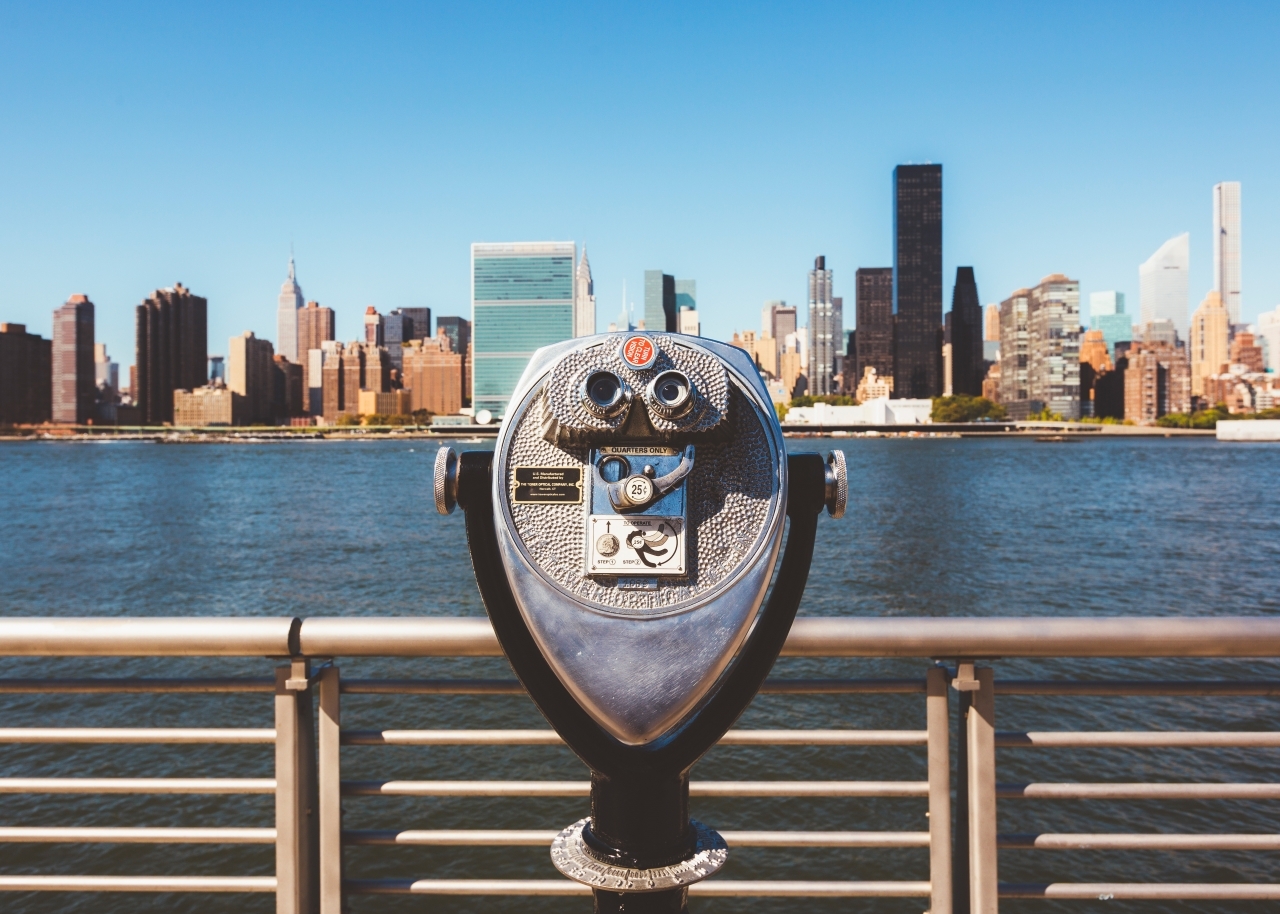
(604, 394)
(671, 394)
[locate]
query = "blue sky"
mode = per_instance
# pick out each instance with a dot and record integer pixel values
(144, 144)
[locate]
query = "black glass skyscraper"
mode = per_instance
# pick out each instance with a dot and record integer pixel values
(917, 279)
(966, 335)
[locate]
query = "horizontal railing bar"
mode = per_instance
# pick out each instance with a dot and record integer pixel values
(86, 686)
(1138, 739)
(137, 785)
(135, 735)
(583, 788)
(1139, 687)
(1138, 791)
(712, 887)
(143, 636)
(551, 738)
(969, 638)
(1140, 842)
(1143, 891)
(431, 687)
(138, 835)
(544, 837)
(137, 883)
(512, 687)
(843, 687)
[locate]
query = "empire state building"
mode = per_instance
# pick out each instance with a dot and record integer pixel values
(287, 317)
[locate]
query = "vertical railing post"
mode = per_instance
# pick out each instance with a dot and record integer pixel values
(296, 838)
(960, 849)
(938, 721)
(330, 791)
(981, 737)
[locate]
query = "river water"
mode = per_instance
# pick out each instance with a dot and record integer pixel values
(939, 527)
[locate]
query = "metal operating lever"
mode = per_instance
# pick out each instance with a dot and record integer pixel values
(624, 496)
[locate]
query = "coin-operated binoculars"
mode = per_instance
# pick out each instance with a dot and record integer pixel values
(623, 533)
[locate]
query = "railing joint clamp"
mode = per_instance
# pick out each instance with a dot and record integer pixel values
(966, 680)
(299, 676)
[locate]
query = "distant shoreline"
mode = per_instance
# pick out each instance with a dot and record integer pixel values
(1042, 431)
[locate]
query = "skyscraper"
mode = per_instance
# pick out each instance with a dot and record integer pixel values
(1162, 283)
(171, 350)
(458, 330)
(1106, 313)
(433, 376)
(1053, 345)
(315, 326)
(421, 318)
(660, 302)
(823, 331)
(1014, 392)
(992, 324)
(687, 307)
(1210, 332)
(25, 370)
(399, 328)
(686, 294)
(1226, 246)
(105, 372)
(584, 298)
(73, 382)
(287, 316)
(521, 300)
(1269, 333)
(251, 374)
(966, 335)
(374, 327)
(874, 320)
(917, 279)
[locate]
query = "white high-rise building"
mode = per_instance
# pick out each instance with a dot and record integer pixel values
(1162, 283)
(1226, 245)
(1269, 333)
(584, 299)
(824, 329)
(287, 316)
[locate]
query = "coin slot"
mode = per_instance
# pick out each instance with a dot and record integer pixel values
(614, 468)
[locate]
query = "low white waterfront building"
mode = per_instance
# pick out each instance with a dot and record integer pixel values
(1241, 429)
(881, 411)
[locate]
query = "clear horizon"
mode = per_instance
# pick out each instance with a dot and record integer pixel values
(148, 145)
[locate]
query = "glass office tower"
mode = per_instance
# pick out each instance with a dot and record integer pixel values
(917, 280)
(521, 300)
(1106, 313)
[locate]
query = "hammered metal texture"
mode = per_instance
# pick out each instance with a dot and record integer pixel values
(566, 417)
(571, 857)
(728, 496)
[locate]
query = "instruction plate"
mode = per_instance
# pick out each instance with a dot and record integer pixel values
(635, 544)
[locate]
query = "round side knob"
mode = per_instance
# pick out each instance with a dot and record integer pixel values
(837, 484)
(445, 483)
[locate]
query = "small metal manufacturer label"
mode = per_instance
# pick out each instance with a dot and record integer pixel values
(637, 583)
(635, 544)
(547, 486)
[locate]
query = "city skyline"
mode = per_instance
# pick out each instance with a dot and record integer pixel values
(378, 222)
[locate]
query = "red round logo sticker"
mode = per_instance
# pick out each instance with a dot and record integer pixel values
(639, 351)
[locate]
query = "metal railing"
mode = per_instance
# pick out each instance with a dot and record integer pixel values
(309, 787)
